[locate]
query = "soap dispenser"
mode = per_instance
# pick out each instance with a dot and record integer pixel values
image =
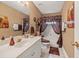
(12, 42)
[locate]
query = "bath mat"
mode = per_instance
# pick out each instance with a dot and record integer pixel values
(54, 50)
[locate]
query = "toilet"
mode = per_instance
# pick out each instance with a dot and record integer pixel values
(45, 49)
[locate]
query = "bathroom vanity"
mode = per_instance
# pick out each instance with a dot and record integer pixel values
(27, 48)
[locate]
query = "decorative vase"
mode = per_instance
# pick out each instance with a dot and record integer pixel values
(12, 42)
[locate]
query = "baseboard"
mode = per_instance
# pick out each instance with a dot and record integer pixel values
(64, 52)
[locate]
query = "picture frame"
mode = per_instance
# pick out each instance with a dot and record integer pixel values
(4, 23)
(70, 17)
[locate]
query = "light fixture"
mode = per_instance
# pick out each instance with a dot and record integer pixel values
(54, 22)
(27, 2)
(24, 3)
(49, 22)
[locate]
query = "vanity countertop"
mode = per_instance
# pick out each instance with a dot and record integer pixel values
(7, 51)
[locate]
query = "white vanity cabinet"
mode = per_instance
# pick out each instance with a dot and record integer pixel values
(28, 48)
(33, 51)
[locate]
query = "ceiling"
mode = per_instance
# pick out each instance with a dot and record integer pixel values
(43, 6)
(49, 6)
(17, 5)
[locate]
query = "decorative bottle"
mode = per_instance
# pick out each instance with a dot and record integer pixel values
(12, 42)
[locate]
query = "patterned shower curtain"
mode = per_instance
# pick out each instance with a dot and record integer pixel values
(57, 25)
(43, 25)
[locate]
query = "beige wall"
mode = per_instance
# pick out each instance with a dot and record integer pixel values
(68, 36)
(34, 12)
(52, 14)
(13, 17)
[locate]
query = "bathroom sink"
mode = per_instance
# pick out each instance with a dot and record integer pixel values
(21, 44)
(3, 42)
(22, 41)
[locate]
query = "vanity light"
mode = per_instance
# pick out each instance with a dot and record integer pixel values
(54, 22)
(49, 22)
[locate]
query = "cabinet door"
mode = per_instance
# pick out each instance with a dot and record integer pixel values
(32, 52)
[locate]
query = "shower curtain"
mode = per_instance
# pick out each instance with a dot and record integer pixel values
(57, 26)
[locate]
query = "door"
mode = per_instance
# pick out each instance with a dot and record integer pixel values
(76, 34)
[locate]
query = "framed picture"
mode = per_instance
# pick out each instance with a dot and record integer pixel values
(17, 27)
(70, 18)
(4, 23)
